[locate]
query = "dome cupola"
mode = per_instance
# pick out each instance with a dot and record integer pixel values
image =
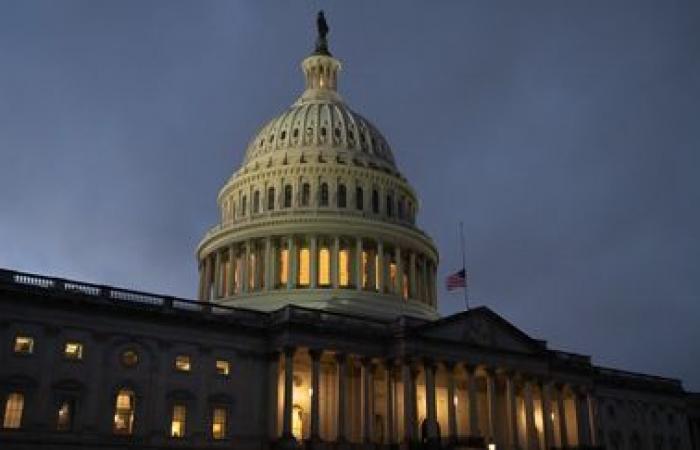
(318, 214)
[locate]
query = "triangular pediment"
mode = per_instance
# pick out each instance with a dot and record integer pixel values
(484, 328)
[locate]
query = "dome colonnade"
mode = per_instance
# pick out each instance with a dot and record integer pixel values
(319, 215)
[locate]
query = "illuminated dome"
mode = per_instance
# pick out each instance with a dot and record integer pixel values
(319, 216)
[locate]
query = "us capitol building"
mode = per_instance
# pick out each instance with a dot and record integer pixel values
(316, 326)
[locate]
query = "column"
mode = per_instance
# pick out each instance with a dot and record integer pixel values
(200, 294)
(399, 271)
(267, 270)
(473, 407)
(291, 263)
(409, 403)
(451, 409)
(231, 270)
(491, 404)
(581, 408)
(593, 428)
(313, 251)
(207, 283)
(389, 402)
(367, 397)
(547, 415)
(530, 430)
(561, 407)
(342, 362)
(430, 404)
(412, 275)
(334, 262)
(288, 399)
(511, 409)
(424, 275)
(381, 273)
(245, 267)
(358, 263)
(315, 393)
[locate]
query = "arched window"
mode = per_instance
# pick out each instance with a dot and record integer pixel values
(244, 205)
(124, 407)
(389, 205)
(323, 201)
(14, 407)
(400, 208)
(288, 196)
(305, 194)
(342, 196)
(359, 198)
(271, 199)
(375, 201)
(256, 202)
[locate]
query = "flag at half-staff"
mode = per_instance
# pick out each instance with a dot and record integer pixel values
(457, 280)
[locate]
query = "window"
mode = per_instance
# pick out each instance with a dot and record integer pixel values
(130, 358)
(375, 201)
(271, 199)
(342, 196)
(218, 423)
(400, 208)
(124, 412)
(305, 194)
(288, 196)
(393, 278)
(14, 406)
(244, 204)
(359, 199)
(256, 202)
(284, 266)
(252, 265)
(73, 350)
(24, 345)
(389, 205)
(177, 425)
(324, 266)
(222, 367)
(64, 420)
(323, 201)
(304, 270)
(343, 269)
(182, 363)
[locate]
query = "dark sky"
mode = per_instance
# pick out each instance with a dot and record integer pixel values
(565, 135)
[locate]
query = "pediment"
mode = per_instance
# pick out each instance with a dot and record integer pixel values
(482, 327)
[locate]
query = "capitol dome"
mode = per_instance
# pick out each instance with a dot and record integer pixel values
(318, 215)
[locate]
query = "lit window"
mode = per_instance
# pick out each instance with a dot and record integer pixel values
(222, 367)
(177, 426)
(182, 363)
(324, 267)
(130, 358)
(364, 268)
(14, 406)
(124, 412)
(73, 350)
(218, 423)
(304, 261)
(24, 345)
(284, 266)
(64, 421)
(343, 272)
(392, 276)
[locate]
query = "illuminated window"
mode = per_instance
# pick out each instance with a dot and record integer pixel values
(14, 406)
(124, 412)
(323, 200)
(177, 426)
(343, 269)
(222, 367)
(182, 363)
(218, 423)
(64, 421)
(305, 194)
(324, 266)
(271, 199)
(73, 350)
(288, 196)
(304, 270)
(24, 345)
(392, 276)
(130, 358)
(342, 196)
(284, 266)
(364, 267)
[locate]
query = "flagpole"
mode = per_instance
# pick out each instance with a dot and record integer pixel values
(464, 267)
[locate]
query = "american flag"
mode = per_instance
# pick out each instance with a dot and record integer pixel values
(457, 280)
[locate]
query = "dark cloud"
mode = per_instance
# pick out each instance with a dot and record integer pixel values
(565, 135)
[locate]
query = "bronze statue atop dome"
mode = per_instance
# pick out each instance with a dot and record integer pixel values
(321, 41)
